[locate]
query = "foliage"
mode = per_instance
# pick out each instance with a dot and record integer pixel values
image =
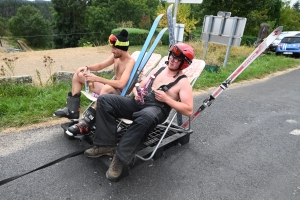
(99, 24)
(68, 22)
(3, 27)
(135, 36)
(290, 18)
(182, 17)
(296, 6)
(29, 23)
(248, 40)
(101, 17)
(8, 8)
(10, 66)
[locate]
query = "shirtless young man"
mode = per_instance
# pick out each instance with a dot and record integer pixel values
(123, 65)
(168, 87)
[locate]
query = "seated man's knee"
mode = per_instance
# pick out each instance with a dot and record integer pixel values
(107, 89)
(78, 77)
(102, 100)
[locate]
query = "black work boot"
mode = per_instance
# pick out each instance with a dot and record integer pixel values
(85, 124)
(72, 111)
(115, 169)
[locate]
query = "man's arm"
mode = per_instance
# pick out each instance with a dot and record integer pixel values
(98, 66)
(119, 84)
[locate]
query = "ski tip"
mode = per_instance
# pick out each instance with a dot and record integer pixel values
(278, 30)
(170, 6)
(159, 16)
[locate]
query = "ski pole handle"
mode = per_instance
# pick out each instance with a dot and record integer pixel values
(140, 93)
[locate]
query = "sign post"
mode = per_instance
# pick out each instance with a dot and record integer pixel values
(222, 29)
(175, 13)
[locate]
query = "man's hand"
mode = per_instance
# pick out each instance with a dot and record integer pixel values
(90, 77)
(81, 70)
(137, 96)
(161, 96)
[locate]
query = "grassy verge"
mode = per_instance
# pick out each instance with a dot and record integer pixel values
(22, 105)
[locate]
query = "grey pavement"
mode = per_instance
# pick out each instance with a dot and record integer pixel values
(244, 146)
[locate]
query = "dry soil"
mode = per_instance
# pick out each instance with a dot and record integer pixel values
(64, 60)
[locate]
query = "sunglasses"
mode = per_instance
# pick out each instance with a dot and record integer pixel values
(176, 59)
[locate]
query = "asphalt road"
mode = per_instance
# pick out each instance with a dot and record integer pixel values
(245, 146)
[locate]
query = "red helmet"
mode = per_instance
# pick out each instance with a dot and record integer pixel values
(182, 50)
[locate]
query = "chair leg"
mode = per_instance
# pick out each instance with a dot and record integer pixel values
(83, 113)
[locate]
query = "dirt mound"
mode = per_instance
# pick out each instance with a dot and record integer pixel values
(69, 60)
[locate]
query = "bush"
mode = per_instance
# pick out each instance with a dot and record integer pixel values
(248, 40)
(165, 38)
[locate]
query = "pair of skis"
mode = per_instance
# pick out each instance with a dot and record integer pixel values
(259, 50)
(142, 58)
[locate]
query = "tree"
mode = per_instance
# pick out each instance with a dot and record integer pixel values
(101, 17)
(68, 22)
(290, 18)
(30, 24)
(296, 6)
(182, 17)
(3, 27)
(99, 24)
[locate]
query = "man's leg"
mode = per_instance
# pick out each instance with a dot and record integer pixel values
(109, 108)
(85, 124)
(144, 122)
(72, 110)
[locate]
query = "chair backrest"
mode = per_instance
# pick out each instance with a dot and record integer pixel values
(152, 62)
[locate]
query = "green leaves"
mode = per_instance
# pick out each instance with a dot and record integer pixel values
(30, 24)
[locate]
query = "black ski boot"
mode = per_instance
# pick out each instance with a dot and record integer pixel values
(84, 125)
(72, 111)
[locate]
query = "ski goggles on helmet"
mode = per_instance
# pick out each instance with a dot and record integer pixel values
(113, 41)
(175, 51)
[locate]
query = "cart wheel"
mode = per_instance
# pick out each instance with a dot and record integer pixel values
(184, 140)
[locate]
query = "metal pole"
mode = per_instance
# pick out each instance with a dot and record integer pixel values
(210, 25)
(230, 40)
(174, 19)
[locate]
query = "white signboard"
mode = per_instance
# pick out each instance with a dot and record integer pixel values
(185, 1)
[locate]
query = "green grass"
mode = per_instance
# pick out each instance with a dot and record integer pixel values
(22, 105)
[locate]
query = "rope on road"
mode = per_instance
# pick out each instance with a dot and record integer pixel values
(76, 153)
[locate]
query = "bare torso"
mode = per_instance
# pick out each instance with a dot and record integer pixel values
(163, 79)
(119, 67)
